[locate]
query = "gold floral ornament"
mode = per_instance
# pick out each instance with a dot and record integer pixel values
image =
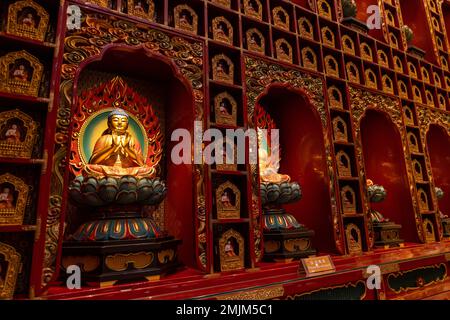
(429, 230)
(185, 18)
(224, 3)
(222, 30)
(305, 28)
(144, 9)
(18, 134)
(343, 164)
(348, 45)
(309, 59)
(10, 265)
(348, 199)
(27, 19)
(281, 18)
(13, 199)
(20, 73)
(231, 247)
(223, 69)
(283, 50)
(228, 201)
(353, 237)
(225, 109)
(255, 41)
(253, 8)
(335, 97)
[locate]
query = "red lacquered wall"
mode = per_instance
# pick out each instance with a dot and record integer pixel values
(385, 165)
(438, 143)
(303, 158)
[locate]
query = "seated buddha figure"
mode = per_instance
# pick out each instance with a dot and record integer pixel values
(268, 168)
(117, 153)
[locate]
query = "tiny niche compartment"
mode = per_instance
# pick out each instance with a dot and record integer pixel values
(255, 37)
(226, 106)
(285, 47)
(333, 66)
(255, 10)
(187, 16)
(337, 94)
(225, 65)
(282, 15)
(223, 26)
(307, 25)
(230, 199)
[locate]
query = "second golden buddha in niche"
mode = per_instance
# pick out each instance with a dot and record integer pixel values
(117, 153)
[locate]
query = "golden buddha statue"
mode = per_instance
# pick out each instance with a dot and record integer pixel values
(117, 153)
(268, 168)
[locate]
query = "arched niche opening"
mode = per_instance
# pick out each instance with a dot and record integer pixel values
(156, 79)
(385, 165)
(438, 144)
(303, 158)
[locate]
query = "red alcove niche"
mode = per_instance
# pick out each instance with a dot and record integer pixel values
(385, 165)
(303, 158)
(438, 144)
(155, 77)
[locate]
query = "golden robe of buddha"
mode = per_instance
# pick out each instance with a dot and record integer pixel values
(117, 153)
(268, 169)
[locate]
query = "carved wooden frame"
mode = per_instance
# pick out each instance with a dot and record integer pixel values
(14, 216)
(150, 15)
(393, 40)
(357, 247)
(348, 45)
(281, 55)
(228, 213)
(335, 103)
(402, 89)
(329, 69)
(423, 201)
(342, 169)
(388, 85)
(429, 97)
(7, 84)
(328, 41)
(337, 134)
(249, 11)
(366, 52)
(23, 149)
(371, 83)
(437, 79)
(231, 263)
(413, 142)
(277, 21)
(412, 70)
(417, 94)
(216, 33)
(303, 32)
(417, 169)
(228, 78)
(13, 258)
(223, 119)
(254, 46)
(13, 27)
(429, 236)
(352, 72)
(306, 62)
(383, 59)
(425, 75)
(441, 101)
(350, 207)
(192, 28)
(398, 65)
(324, 9)
(409, 115)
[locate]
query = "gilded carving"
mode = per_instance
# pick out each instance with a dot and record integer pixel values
(27, 19)
(13, 199)
(10, 262)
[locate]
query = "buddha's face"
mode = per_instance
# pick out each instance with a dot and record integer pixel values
(119, 123)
